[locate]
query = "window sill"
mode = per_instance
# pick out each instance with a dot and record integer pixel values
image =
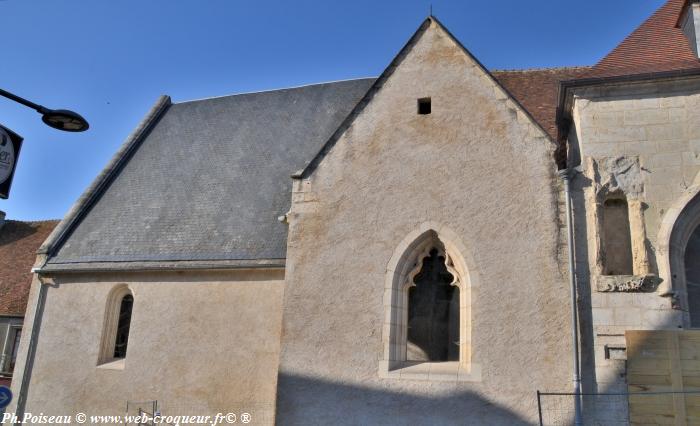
(627, 283)
(114, 364)
(433, 371)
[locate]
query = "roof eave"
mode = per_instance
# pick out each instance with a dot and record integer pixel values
(162, 266)
(566, 87)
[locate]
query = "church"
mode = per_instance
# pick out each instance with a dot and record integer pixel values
(397, 250)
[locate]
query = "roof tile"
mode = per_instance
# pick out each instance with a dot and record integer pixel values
(657, 45)
(19, 242)
(537, 91)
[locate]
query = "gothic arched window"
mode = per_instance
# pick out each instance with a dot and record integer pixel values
(427, 321)
(682, 246)
(691, 259)
(117, 323)
(433, 313)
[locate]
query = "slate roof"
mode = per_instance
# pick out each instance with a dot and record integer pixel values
(18, 244)
(209, 179)
(657, 45)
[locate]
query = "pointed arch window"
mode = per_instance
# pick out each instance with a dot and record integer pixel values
(117, 325)
(684, 261)
(427, 324)
(433, 312)
(691, 260)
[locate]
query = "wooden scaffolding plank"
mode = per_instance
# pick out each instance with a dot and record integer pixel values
(676, 377)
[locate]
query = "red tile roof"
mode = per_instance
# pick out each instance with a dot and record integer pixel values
(19, 242)
(537, 91)
(657, 45)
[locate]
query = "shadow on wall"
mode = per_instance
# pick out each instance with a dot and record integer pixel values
(307, 401)
(583, 280)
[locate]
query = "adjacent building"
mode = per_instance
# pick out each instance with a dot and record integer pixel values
(19, 242)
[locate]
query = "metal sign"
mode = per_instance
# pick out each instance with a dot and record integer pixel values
(5, 397)
(10, 144)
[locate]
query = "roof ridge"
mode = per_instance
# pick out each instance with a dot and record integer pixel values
(32, 221)
(562, 68)
(279, 89)
(311, 166)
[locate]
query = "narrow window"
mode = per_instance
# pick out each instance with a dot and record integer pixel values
(424, 106)
(122, 338)
(617, 241)
(15, 348)
(433, 313)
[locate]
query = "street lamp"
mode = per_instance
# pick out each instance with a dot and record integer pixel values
(11, 142)
(61, 119)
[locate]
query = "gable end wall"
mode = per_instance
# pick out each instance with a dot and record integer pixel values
(476, 165)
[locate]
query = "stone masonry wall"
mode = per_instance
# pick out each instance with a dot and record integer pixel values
(476, 166)
(653, 129)
(200, 343)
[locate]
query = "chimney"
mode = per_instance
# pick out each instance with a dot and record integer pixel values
(690, 24)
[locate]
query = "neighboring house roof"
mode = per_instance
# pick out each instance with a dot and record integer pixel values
(537, 91)
(19, 242)
(657, 45)
(204, 180)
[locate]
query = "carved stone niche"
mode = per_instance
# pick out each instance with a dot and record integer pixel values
(612, 179)
(628, 283)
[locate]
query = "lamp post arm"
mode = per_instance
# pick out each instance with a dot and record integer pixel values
(40, 109)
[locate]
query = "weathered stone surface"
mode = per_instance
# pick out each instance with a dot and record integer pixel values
(199, 343)
(619, 174)
(637, 140)
(476, 166)
(627, 283)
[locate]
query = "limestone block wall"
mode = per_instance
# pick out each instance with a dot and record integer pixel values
(656, 123)
(199, 343)
(642, 140)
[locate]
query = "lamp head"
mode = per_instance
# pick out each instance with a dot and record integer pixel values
(63, 119)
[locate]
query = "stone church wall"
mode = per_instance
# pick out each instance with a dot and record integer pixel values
(481, 175)
(642, 142)
(199, 343)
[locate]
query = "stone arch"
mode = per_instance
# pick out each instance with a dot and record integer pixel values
(677, 226)
(403, 266)
(111, 320)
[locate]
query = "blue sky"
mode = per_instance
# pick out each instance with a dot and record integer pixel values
(110, 60)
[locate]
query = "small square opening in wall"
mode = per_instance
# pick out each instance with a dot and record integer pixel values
(424, 106)
(617, 352)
